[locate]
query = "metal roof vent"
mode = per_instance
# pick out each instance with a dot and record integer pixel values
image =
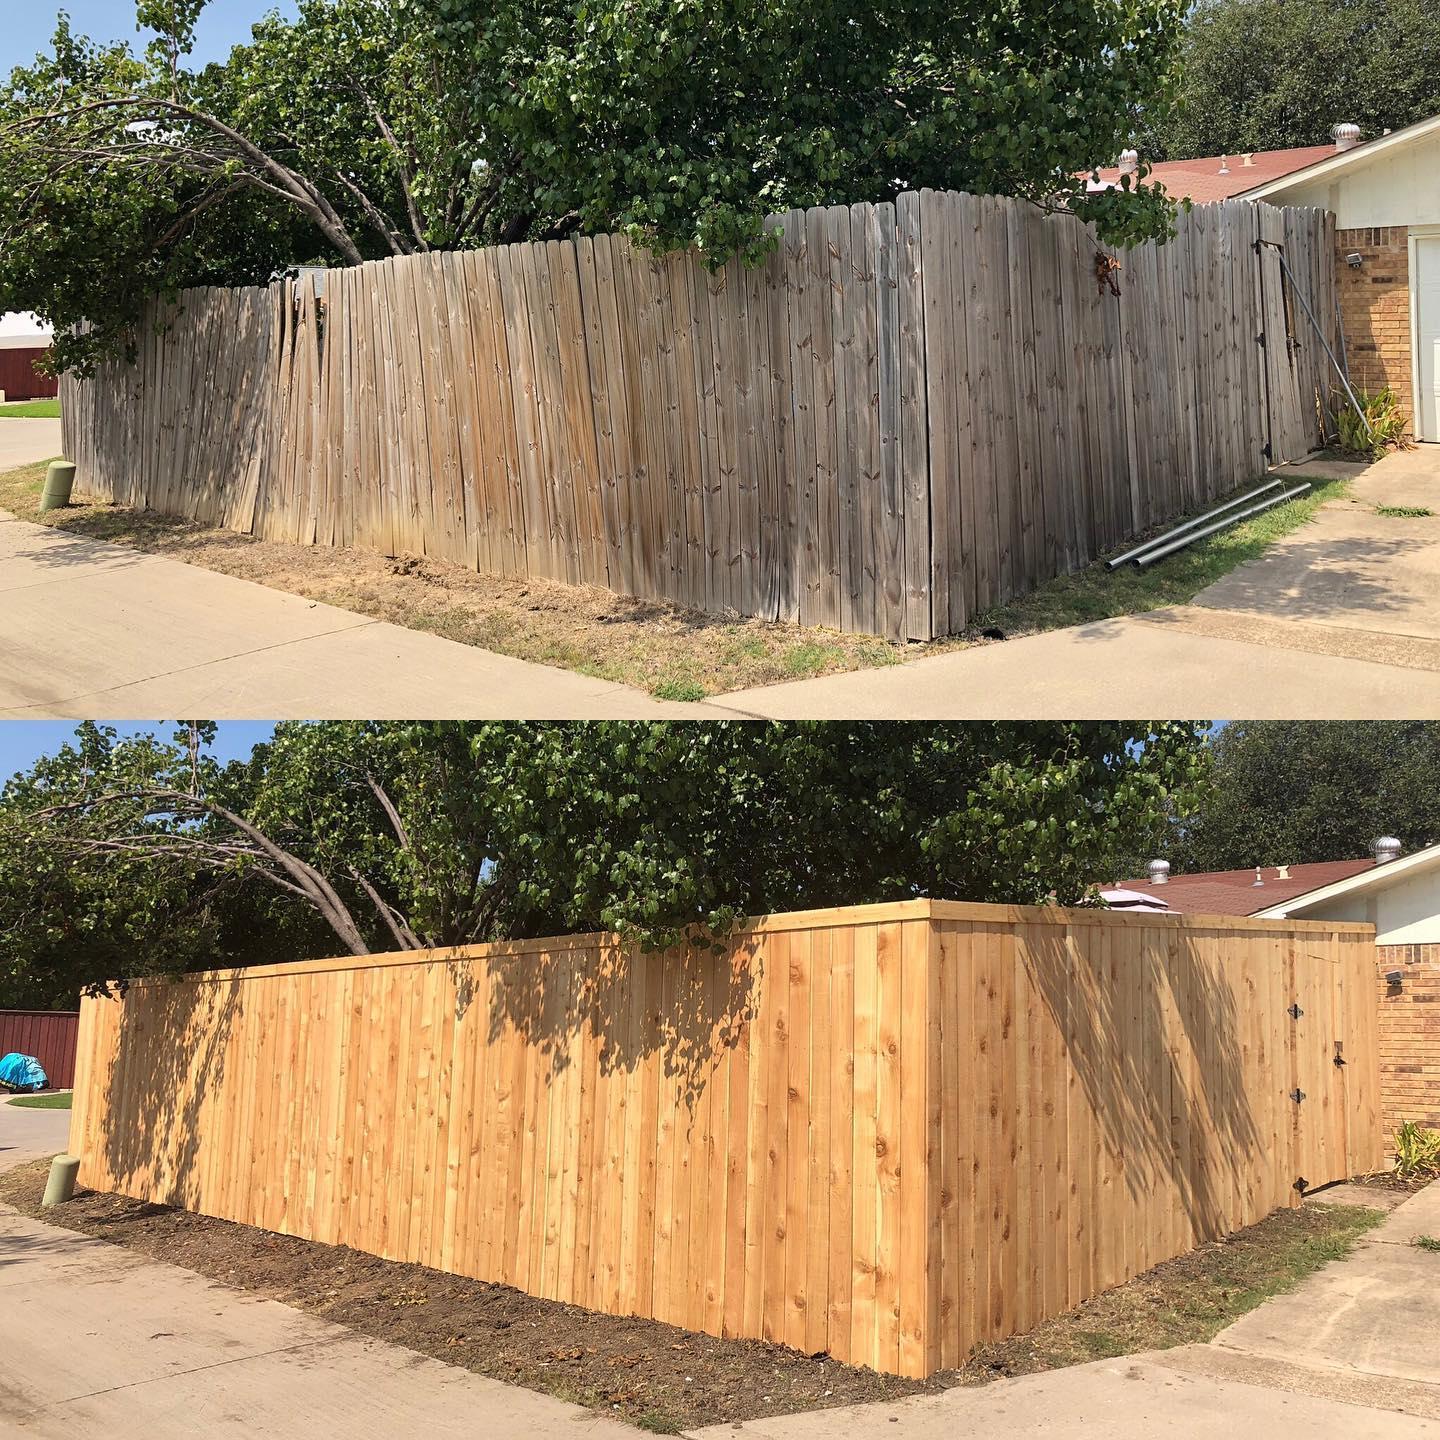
(1385, 849)
(1347, 136)
(1129, 161)
(1159, 872)
(1259, 882)
(1224, 165)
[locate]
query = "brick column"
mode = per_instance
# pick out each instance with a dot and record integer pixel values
(1375, 309)
(1409, 1035)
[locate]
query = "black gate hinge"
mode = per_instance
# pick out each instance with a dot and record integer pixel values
(1295, 1012)
(1265, 451)
(1301, 1184)
(1340, 1054)
(1297, 1094)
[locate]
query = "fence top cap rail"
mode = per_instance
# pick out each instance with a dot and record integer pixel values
(42, 1013)
(893, 912)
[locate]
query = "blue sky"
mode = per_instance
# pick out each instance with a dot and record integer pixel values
(29, 24)
(22, 742)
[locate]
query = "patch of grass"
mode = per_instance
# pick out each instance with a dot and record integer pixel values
(43, 1102)
(1098, 594)
(1185, 1301)
(658, 1423)
(1404, 512)
(679, 689)
(1426, 1242)
(31, 410)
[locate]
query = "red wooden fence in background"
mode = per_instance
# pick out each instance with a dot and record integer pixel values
(48, 1035)
(19, 378)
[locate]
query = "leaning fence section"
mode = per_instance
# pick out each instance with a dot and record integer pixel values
(887, 1133)
(908, 413)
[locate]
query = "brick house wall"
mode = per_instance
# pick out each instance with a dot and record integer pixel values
(1409, 1036)
(1375, 309)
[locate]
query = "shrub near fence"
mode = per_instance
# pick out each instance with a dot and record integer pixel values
(886, 1132)
(909, 413)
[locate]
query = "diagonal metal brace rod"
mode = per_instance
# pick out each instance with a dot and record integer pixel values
(1310, 315)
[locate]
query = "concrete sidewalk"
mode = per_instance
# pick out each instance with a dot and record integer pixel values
(105, 1344)
(1338, 620)
(27, 1134)
(1351, 1352)
(1158, 664)
(27, 442)
(90, 630)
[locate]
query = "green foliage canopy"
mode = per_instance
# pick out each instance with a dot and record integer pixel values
(1271, 74)
(368, 128)
(443, 834)
(1286, 792)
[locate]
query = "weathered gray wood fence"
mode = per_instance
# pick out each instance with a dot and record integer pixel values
(910, 413)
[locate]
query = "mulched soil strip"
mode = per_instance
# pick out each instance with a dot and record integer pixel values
(659, 1376)
(662, 1376)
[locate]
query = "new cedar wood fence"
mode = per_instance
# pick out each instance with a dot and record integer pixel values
(910, 413)
(47, 1035)
(885, 1132)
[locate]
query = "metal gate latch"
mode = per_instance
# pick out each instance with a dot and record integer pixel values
(1297, 1094)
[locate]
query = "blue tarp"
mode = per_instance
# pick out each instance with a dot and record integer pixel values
(22, 1072)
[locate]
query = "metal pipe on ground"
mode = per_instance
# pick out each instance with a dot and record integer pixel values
(1187, 525)
(1225, 524)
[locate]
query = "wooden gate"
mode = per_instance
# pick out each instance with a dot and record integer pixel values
(1296, 371)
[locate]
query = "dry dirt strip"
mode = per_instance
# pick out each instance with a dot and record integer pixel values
(94, 630)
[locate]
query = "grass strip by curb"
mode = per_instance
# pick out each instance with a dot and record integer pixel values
(41, 1102)
(31, 410)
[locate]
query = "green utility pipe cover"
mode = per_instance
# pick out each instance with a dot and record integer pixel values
(59, 482)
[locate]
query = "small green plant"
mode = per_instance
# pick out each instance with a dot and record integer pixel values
(1381, 413)
(1426, 1242)
(1417, 1152)
(1404, 512)
(679, 688)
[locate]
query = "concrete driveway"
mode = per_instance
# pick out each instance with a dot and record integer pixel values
(1339, 620)
(27, 1134)
(27, 442)
(1350, 1353)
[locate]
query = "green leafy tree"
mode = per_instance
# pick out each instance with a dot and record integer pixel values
(1286, 792)
(67, 924)
(368, 128)
(1271, 74)
(409, 836)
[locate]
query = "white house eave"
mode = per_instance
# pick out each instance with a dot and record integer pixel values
(1377, 878)
(1343, 160)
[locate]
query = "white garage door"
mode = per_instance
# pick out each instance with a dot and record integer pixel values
(1427, 335)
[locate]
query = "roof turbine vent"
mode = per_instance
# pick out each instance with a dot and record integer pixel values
(1385, 849)
(1347, 136)
(1129, 161)
(1159, 872)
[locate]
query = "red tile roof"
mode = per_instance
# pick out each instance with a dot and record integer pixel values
(1233, 892)
(1200, 180)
